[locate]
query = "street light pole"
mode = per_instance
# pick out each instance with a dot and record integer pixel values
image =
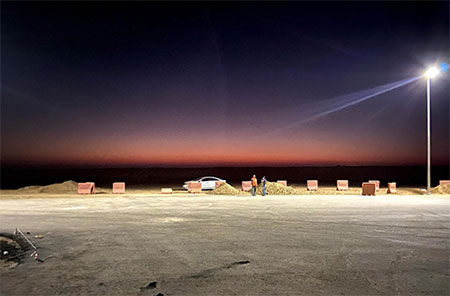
(431, 73)
(428, 138)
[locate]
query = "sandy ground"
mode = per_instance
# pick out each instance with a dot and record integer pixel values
(200, 245)
(155, 190)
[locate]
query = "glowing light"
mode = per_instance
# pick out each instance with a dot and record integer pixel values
(343, 102)
(444, 67)
(431, 72)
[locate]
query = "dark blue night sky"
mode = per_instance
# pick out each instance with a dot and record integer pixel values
(148, 83)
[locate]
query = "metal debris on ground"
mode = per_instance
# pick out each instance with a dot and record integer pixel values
(35, 253)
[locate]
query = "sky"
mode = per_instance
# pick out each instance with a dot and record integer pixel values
(222, 84)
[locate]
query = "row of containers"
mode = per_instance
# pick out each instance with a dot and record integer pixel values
(89, 188)
(368, 188)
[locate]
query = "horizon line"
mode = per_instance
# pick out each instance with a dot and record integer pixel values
(28, 166)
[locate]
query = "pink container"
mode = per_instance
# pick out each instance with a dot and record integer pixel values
(118, 187)
(194, 187)
(282, 182)
(312, 185)
(218, 183)
(246, 185)
(444, 182)
(392, 187)
(85, 188)
(342, 185)
(377, 184)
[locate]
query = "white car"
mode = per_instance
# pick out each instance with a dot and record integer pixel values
(208, 183)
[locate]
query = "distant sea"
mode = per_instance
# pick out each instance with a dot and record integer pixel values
(12, 178)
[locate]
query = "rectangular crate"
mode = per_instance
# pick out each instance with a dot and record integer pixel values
(118, 187)
(312, 185)
(392, 187)
(166, 190)
(85, 188)
(194, 187)
(342, 185)
(377, 184)
(368, 188)
(246, 185)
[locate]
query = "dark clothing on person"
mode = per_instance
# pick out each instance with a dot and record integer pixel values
(263, 183)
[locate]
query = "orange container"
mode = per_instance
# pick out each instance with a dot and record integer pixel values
(368, 188)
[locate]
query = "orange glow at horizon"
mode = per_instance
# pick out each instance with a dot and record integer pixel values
(211, 151)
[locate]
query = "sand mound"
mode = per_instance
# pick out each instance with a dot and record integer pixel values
(65, 187)
(225, 189)
(276, 189)
(441, 189)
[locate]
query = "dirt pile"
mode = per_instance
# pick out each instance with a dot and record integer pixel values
(225, 189)
(273, 188)
(58, 188)
(441, 189)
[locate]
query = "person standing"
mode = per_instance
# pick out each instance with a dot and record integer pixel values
(254, 184)
(263, 183)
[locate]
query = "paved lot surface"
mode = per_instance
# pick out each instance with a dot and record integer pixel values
(219, 245)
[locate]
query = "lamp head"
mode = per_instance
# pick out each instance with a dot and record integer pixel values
(432, 72)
